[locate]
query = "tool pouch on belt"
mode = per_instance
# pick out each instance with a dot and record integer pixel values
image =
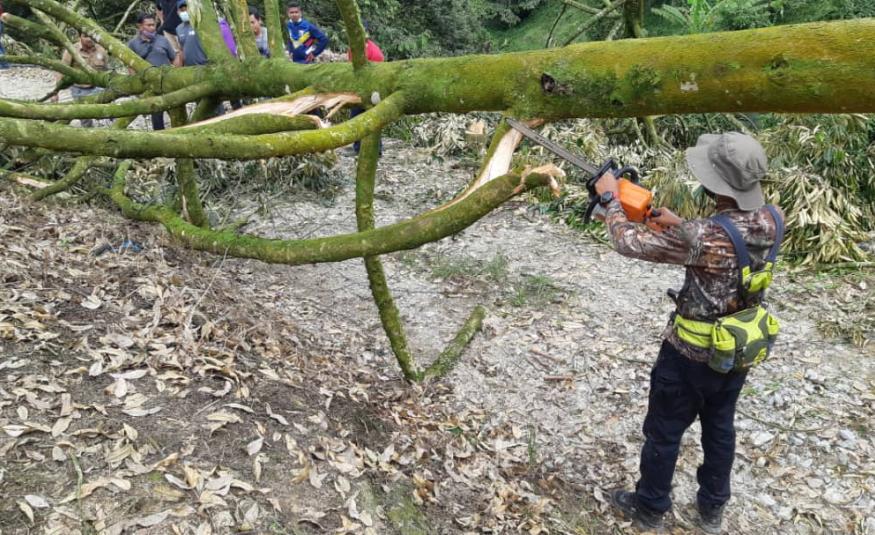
(744, 339)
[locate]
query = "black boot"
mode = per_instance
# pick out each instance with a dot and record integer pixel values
(627, 502)
(710, 518)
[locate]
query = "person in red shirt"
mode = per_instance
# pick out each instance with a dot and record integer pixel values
(374, 55)
(372, 52)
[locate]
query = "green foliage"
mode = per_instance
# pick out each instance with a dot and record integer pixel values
(468, 268)
(534, 290)
(701, 16)
(821, 174)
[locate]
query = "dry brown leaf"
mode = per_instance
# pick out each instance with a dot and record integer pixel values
(278, 417)
(37, 502)
(26, 510)
(238, 406)
(224, 417)
(66, 405)
(61, 425)
(255, 446)
(316, 478)
(130, 432)
(58, 454)
(151, 520)
(86, 490)
(122, 484)
(172, 479)
(131, 374)
(92, 302)
(141, 412)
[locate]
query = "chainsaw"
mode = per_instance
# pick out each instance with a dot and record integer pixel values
(636, 201)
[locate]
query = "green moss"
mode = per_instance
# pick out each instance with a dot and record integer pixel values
(403, 512)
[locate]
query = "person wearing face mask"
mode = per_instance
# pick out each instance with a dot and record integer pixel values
(306, 40)
(155, 49)
(189, 42)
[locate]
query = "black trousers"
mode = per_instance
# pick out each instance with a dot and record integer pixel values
(158, 120)
(680, 390)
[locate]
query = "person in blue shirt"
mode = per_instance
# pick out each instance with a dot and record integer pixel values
(306, 40)
(3, 65)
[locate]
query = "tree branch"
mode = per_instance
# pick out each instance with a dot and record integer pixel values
(206, 21)
(355, 31)
(142, 106)
(78, 170)
(407, 234)
(130, 144)
(112, 45)
(29, 28)
(75, 75)
(594, 19)
(275, 34)
(61, 39)
(246, 47)
(364, 214)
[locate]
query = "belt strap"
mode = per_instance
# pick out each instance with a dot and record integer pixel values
(695, 333)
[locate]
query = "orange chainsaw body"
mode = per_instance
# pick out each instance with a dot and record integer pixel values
(636, 201)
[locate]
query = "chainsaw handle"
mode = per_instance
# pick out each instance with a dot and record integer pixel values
(634, 175)
(618, 172)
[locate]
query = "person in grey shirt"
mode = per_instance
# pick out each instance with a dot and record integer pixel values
(192, 51)
(155, 49)
(257, 24)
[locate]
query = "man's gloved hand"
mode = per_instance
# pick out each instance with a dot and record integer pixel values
(663, 218)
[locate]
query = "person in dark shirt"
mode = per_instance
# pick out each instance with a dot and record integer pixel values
(169, 19)
(683, 383)
(192, 50)
(155, 49)
(306, 40)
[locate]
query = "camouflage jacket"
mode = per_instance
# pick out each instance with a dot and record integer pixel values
(711, 285)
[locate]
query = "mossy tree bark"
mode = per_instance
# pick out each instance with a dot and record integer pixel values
(821, 67)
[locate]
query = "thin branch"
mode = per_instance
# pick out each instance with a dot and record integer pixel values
(246, 47)
(127, 14)
(583, 7)
(555, 25)
(142, 106)
(130, 144)
(275, 33)
(112, 45)
(594, 19)
(407, 234)
(75, 75)
(61, 39)
(355, 31)
(80, 167)
(29, 28)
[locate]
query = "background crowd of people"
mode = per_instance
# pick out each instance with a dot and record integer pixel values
(167, 37)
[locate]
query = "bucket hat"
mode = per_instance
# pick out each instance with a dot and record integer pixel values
(730, 164)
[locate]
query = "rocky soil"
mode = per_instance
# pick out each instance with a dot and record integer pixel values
(168, 390)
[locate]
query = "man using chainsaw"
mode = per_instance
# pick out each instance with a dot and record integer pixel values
(720, 328)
